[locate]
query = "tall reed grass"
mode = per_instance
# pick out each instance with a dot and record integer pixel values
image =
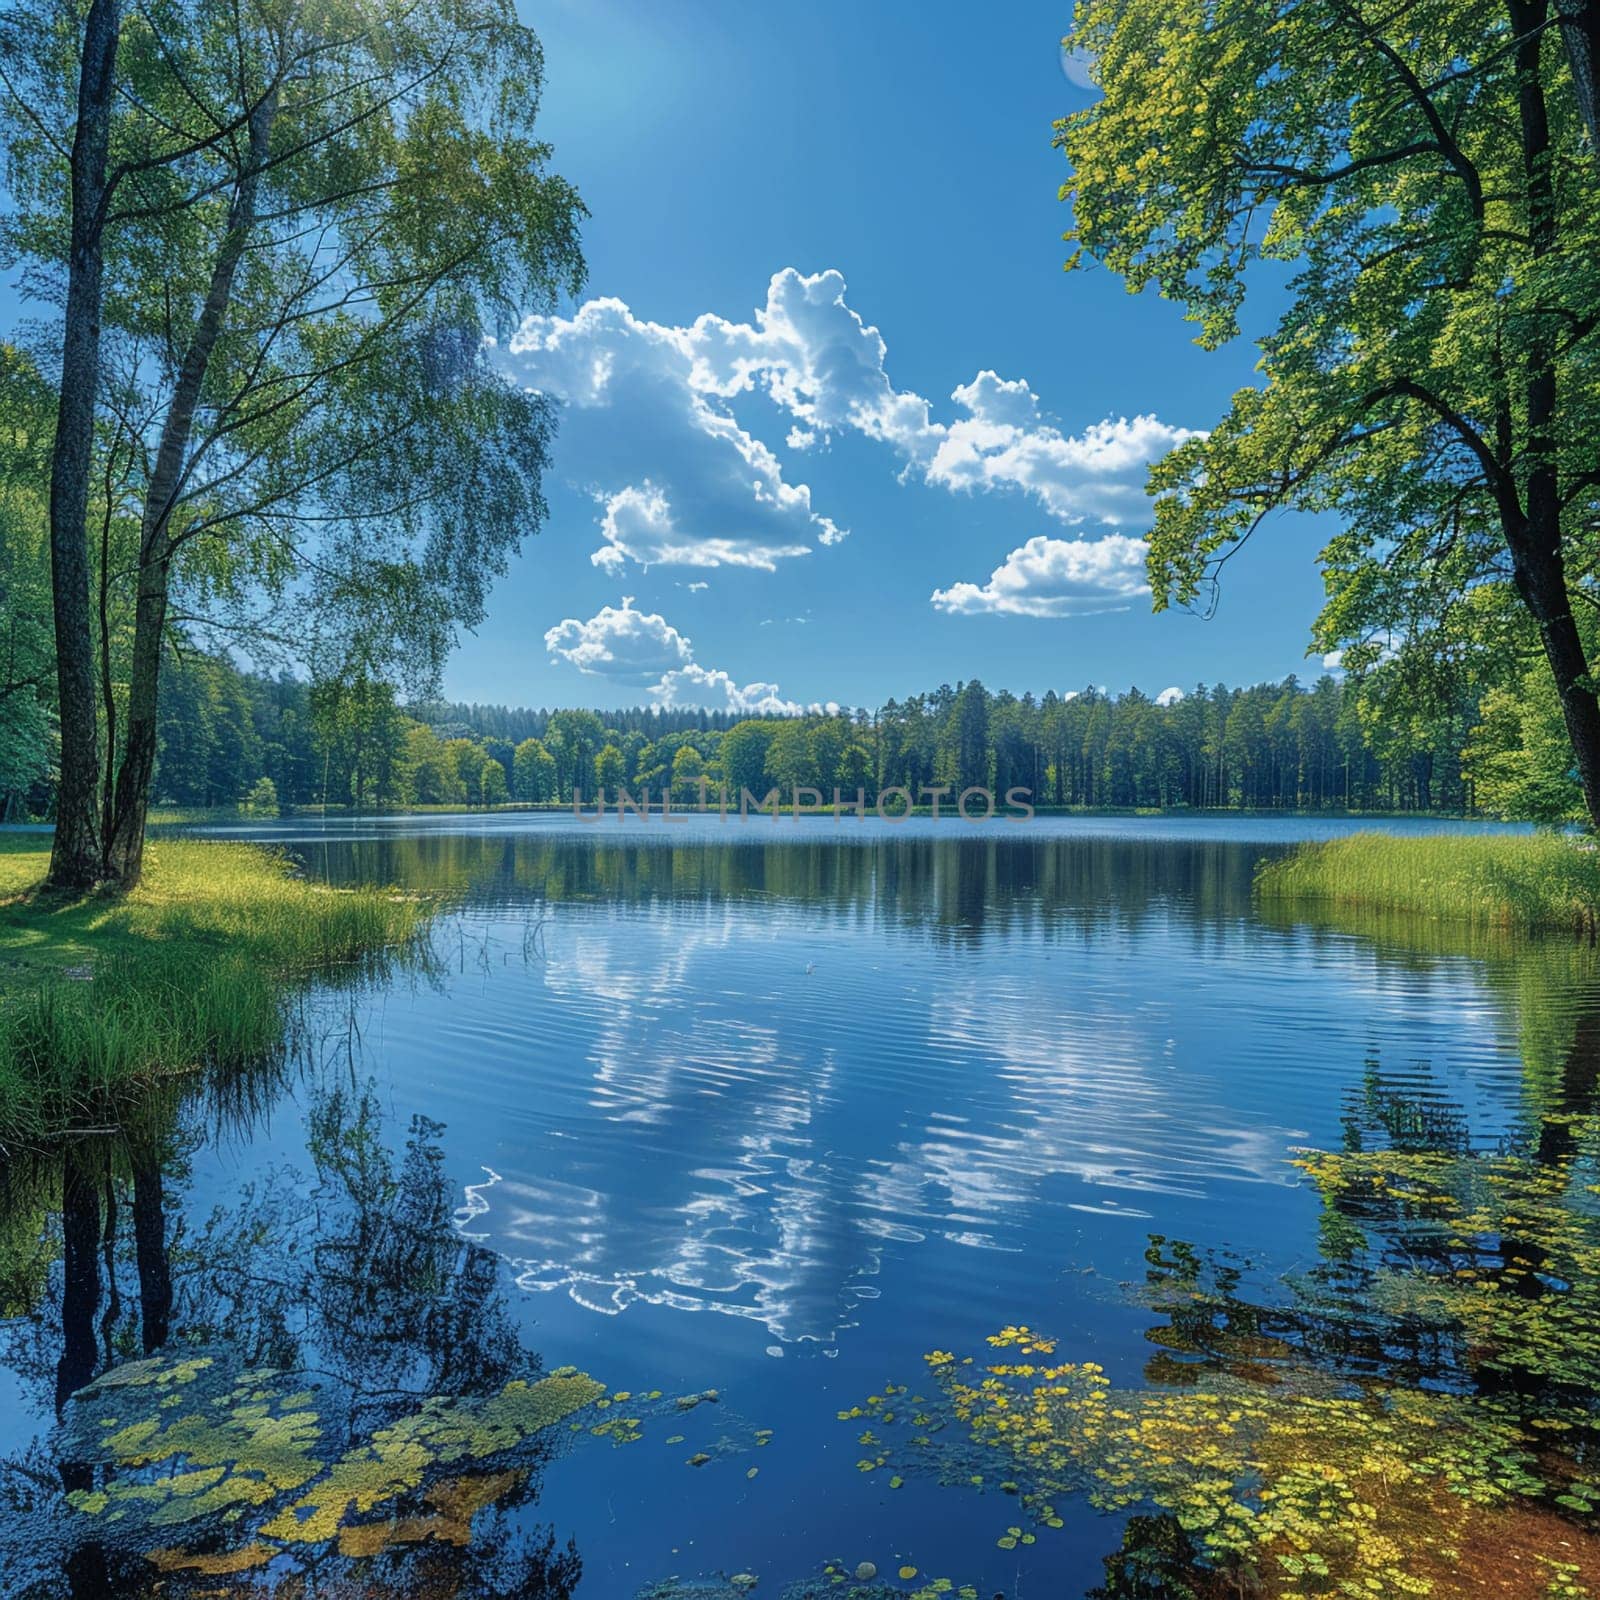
(104, 996)
(1538, 882)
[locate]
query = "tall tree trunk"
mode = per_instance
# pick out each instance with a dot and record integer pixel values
(75, 855)
(124, 857)
(1580, 29)
(1537, 563)
(124, 844)
(1541, 580)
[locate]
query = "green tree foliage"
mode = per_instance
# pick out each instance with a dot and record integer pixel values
(433, 777)
(791, 760)
(1432, 382)
(262, 798)
(1518, 759)
(533, 772)
(25, 741)
(358, 730)
(964, 747)
(27, 669)
(1274, 746)
(688, 767)
(744, 755)
(610, 770)
(493, 783)
(308, 218)
(468, 758)
(1330, 745)
(574, 739)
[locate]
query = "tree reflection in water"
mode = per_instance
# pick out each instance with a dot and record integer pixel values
(1416, 1413)
(327, 1358)
(1448, 1270)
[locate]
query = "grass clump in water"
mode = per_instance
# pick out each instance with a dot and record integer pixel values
(1539, 882)
(107, 994)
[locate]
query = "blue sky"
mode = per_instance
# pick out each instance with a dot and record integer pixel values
(906, 149)
(758, 500)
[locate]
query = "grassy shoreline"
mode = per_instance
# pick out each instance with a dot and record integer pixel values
(1534, 883)
(105, 996)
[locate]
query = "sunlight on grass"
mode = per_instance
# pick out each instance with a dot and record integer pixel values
(1542, 882)
(106, 993)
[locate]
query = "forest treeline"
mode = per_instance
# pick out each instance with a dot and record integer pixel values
(231, 737)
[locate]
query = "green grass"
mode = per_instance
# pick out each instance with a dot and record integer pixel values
(1541, 882)
(104, 996)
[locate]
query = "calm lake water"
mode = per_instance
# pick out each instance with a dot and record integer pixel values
(776, 1110)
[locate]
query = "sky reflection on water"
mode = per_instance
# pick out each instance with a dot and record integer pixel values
(861, 1094)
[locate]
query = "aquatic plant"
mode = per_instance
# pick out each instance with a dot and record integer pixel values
(106, 996)
(338, 1396)
(1418, 1415)
(1532, 882)
(179, 1441)
(834, 1580)
(1287, 1490)
(1500, 1254)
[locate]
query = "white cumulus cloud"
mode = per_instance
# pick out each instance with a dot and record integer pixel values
(1057, 578)
(649, 426)
(678, 480)
(638, 525)
(695, 685)
(1169, 697)
(819, 360)
(1001, 443)
(642, 648)
(623, 643)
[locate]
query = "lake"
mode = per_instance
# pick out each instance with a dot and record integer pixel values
(752, 1120)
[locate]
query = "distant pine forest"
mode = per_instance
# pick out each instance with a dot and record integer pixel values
(231, 737)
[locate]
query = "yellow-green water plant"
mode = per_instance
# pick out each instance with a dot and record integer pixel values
(836, 1579)
(171, 1443)
(1418, 1414)
(1499, 1255)
(338, 1378)
(1297, 1488)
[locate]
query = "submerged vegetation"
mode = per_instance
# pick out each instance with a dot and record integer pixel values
(1416, 1413)
(322, 1386)
(105, 995)
(1419, 1413)
(1541, 882)
(323, 1375)
(251, 1443)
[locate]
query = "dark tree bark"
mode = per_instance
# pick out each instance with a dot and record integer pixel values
(1580, 30)
(1540, 576)
(1538, 565)
(124, 844)
(75, 859)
